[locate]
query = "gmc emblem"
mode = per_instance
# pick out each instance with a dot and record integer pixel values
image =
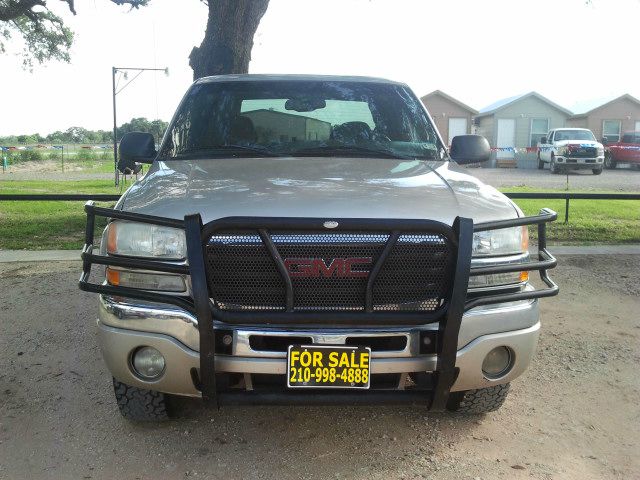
(336, 267)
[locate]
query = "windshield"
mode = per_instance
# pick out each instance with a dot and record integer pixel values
(574, 135)
(301, 118)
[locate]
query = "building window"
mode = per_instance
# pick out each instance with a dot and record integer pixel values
(539, 129)
(611, 130)
(637, 125)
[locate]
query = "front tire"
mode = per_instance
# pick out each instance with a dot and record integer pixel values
(481, 400)
(554, 166)
(597, 171)
(140, 405)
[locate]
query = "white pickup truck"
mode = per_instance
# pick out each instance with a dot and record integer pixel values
(570, 149)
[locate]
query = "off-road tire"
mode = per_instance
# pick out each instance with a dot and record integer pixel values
(540, 163)
(140, 405)
(597, 171)
(482, 400)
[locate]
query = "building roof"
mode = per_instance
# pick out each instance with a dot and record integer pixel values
(626, 96)
(500, 104)
(451, 99)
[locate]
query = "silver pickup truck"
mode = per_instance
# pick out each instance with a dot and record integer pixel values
(311, 240)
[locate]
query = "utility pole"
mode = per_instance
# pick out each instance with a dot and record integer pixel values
(114, 92)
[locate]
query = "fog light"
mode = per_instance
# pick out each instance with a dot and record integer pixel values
(497, 362)
(148, 362)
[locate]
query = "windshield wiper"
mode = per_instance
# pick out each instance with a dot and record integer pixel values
(351, 149)
(225, 150)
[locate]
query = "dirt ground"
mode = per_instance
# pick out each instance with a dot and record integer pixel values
(574, 415)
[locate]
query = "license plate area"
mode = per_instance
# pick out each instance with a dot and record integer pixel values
(326, 366)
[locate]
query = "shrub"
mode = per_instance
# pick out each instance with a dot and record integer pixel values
(29, 156)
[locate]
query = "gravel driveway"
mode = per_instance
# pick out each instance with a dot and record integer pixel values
(574, 415)
(623, 180)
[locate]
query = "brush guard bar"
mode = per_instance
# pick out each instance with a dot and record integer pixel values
(199, 304)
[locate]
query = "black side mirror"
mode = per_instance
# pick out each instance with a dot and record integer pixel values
(135, 147)
(470, 149)
(543, 140)
(605, 140)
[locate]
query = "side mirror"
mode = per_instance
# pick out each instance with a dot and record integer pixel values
(135, 147)
(470, 149)
(543, 140)
(605, 140)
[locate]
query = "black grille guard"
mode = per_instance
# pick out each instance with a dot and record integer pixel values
(199, 304)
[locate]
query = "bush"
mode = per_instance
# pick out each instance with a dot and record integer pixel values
(29, 156)
(85, 155)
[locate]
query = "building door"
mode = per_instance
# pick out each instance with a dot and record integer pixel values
(506, 138)
(457, 126)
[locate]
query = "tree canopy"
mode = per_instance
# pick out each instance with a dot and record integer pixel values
(44, 33)
(226, 47)
(82, 135)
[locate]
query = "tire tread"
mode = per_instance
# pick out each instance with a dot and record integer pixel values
(140, 405)
(483, 400)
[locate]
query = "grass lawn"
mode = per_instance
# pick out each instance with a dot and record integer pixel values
(46, 225)
(590, 221)
(60, 225)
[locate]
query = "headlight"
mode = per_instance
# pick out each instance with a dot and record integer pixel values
(503, 244)
(505, 241)
(600, 151)
(563, 150)
(145, 240)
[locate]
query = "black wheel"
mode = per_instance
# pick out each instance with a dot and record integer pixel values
(597, 171)
(482, 400)
(609, 162)
(540, 163)
(140, 405)
(553, 166)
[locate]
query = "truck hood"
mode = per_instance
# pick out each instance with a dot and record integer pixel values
(315, 187)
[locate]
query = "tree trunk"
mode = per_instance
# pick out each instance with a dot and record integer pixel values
(228, 40)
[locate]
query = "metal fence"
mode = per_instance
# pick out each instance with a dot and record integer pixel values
(566, 196)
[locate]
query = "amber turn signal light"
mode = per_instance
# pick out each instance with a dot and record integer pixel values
(113, 277)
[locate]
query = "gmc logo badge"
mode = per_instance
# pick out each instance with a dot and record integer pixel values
(336, 267)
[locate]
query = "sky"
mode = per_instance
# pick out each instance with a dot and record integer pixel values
(578, 54)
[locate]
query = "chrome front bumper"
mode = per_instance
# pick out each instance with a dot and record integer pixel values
(579, 163)
(122, 328)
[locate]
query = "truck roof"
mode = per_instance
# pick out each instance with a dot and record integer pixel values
(292, 77)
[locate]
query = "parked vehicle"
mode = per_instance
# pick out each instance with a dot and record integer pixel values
(305, 239)
(626, 150)
(570, 149)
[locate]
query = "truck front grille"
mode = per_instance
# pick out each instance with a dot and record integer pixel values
(582, 152)
(329, 271)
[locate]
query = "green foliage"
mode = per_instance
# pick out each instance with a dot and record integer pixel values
(141, 124)
(82, 135)
(44, 35)
(29, 156)
(45, 38)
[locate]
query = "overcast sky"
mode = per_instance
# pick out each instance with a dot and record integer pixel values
(577, 54)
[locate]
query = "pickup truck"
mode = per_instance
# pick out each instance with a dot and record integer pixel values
(312, 240)
(626, 150)
(570, 149)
